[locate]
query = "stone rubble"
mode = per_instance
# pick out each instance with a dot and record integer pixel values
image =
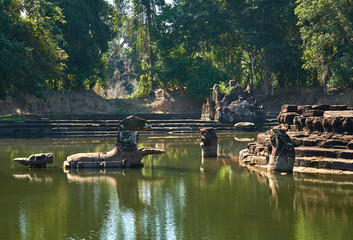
(238, 105)
(322, 136)
(39, 160)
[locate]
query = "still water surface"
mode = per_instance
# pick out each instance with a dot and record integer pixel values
(177, 195)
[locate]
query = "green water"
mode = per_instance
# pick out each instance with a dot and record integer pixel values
(177, 195)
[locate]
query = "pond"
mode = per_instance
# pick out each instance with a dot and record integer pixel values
(177, 195)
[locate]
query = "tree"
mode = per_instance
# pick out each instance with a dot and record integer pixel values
(269, 28)
(327, 33)
(185, 34)
(86, 31)
(29, 45)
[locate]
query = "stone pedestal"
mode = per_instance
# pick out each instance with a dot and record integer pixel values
(209, 142)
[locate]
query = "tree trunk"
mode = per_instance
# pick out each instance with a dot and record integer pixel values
(281, 80)
(324, 77)
(117, 49)
(151, 57)
(266, 82)
(297, 80)
(252, 71)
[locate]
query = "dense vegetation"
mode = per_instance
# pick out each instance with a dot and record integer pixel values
(64, 45)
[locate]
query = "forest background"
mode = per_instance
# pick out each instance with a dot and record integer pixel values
(81, 44)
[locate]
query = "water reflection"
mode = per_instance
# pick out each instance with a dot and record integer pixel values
(178, 195)
(131, 194)
(34, 177)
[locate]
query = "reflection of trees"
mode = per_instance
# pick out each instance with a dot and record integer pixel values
(325, 203)
(31, 209)
(182, 151)
(171, 197)
(138, 205)
(330, 197)
(322, 205)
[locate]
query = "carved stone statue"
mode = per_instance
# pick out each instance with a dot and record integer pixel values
(39, 160)
(124, 154)
(209, 142)
(283, 155)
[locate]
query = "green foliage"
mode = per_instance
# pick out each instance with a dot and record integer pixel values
(203, 77)
(223, 87)
(144, 87)
(326, 30)
(87, 31)
(63, 44)
(53, 44)
(29, 46)
(227, 37)
(13, 118)
(185, 33)
(271, 33)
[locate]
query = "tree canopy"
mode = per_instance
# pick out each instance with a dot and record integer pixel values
(64, 45)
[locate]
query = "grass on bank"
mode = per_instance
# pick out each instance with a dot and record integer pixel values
(13, 118)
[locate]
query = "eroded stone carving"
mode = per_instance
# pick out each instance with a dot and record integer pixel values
(124, 154)
(209, 142)
(39, 160)
(283, 155)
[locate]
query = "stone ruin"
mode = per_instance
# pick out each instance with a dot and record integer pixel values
(209, 142)
(322, 136)
(124, 154)
(39, 160)
(238, 105)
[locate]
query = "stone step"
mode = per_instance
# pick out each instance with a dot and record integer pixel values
(114, 116)
(326, 163)
(323, 152)
(92, 128)
(104, 123)
(101, 126)
(110, 125)
(97, 131)
(155, 129)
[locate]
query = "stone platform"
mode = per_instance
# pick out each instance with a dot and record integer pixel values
(322, 136)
